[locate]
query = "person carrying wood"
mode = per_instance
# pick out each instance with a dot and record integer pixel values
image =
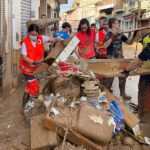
(31, 56)
(144, 82)
(86, 35)
(100, 36)
(113, 42)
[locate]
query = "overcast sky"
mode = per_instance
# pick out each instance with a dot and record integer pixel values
(65, 7)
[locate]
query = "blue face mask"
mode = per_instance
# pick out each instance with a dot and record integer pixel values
(33, 38)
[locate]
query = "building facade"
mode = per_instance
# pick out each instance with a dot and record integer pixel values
(92, 10)
(136, 11)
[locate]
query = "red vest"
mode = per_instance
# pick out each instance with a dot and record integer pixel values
(86, 44)
(102, 51)
(34, 53)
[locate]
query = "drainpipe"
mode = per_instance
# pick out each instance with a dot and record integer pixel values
(10, 22)
(1, 33)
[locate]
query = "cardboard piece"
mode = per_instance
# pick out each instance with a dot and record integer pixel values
(66, 87)
(40, 136)
(72, 136)
(98, 132)
(67, 117)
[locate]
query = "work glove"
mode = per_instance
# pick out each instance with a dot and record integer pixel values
(37, 62)
(1, 60)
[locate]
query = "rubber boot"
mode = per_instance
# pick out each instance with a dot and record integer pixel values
(124, 95)
(26, 98)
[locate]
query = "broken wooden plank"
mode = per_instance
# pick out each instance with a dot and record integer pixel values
(130, 119)
(72, 136)
(114, 67)
(60, 53)
(53, 54)
(43, 23)
(133, 30)
(40, 136)
(68, 49)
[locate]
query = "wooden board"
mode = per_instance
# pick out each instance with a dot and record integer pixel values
(43, 23)
(72, 136)
(130, 119)
(40, 136)
(55, 52)
(113, 67)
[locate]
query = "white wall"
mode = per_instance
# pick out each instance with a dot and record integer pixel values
(16, 23)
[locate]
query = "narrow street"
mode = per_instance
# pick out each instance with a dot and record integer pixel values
(14, 132)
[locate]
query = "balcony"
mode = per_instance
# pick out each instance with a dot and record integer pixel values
(133, 5)
(63, 1)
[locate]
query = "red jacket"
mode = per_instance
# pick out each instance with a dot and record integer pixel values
(34, 53)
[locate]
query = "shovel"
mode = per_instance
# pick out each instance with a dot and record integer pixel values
(48, 61)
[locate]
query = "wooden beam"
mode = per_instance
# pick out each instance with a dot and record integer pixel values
(42, 23)
(114, 67)
(132, 30)
(72, 136)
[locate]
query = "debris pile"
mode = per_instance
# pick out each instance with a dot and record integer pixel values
(76, 113)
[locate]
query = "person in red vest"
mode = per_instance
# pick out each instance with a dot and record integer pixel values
(100, 36)
(86, 35)
(31, 56)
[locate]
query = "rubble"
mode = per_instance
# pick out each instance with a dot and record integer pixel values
(78, 112)
(82, 119)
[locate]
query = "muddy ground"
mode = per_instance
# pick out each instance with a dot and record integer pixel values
(15, 132)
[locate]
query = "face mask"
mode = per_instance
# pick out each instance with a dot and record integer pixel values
(33, 38)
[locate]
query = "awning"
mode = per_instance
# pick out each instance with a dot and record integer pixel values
(106, 6)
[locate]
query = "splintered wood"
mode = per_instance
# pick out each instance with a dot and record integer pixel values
(114, 67)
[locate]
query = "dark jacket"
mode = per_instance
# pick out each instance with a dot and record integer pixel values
(145, 54)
